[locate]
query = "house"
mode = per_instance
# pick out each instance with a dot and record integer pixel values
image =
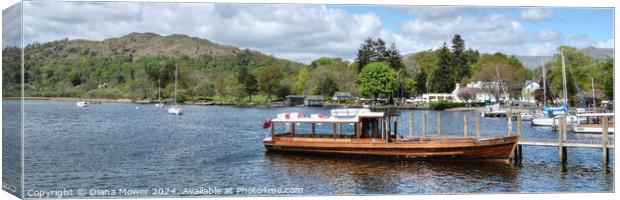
(527, 93)
(342, 96)
(483, 92)
(295, 100)
(312, 101)
(305, 100)
(432, 97)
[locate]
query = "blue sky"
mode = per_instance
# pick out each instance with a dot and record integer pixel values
(305, 32)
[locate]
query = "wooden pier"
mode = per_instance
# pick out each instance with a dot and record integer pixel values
(562, 143)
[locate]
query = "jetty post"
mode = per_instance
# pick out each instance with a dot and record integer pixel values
(519, 150)
(465, 124)
(562, 139)
(439, 123)
(509, 117)
(411, 124)
(424, 124)
(334, 131)
(605, 140)
(395, 126)
(478, 125)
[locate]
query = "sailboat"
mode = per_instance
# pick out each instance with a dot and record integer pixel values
(496, 109)
(174, 108)
(553, 114)
(159, 105)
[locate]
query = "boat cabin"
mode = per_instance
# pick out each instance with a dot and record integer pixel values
(349, 125)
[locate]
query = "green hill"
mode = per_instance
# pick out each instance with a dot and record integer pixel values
(130, 67)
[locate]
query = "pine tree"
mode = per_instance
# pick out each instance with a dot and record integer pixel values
(443, 79)
(459, 59)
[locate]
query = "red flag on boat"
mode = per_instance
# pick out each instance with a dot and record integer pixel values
(267, 123)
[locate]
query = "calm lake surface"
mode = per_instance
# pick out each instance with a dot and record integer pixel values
(132, 146)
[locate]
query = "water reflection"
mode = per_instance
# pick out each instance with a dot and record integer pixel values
(363, 175)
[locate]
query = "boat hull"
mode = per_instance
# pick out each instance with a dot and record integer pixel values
(497, 149)
(175, 110)
(591, 129)
(551, 122)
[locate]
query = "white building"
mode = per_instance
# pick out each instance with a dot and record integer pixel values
(483, 93)
(527, 93)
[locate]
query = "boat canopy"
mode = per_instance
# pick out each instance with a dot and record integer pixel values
(550, 111)
(337, 116)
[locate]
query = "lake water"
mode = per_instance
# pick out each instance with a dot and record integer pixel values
(103, 150)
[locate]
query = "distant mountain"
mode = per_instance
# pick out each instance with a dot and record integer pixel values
(597, 54)
(531, 62)
(139, 45)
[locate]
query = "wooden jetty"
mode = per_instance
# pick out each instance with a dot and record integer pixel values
(562, 143)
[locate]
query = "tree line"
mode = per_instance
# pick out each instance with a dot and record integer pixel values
(379, 70)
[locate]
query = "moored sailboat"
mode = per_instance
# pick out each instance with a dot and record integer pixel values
(161, 104)
(174, 108)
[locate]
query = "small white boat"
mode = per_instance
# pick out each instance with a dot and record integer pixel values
(81, 104)
(593, 123)
(175, 110)
(526, 117)
(571, 120)
(159, 105)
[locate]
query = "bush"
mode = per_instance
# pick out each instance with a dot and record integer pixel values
(442, 105)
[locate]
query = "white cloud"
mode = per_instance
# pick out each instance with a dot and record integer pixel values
(293, 31)
(606, 44)
(536, 14)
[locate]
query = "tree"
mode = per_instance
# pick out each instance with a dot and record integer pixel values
(578, 68)
(512, 74)
(376, 78)
(443, 80)
(365, 53)
(394, 57)
(376, 51)
(459, 59)
(268, 78)
(421, 80)
(331, 74)
(467, 94)
(248, 80)
(608, 79)
(302, 80)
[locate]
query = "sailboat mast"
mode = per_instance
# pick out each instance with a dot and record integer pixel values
(159, 89)
(176, 73)
(593, 98)
(544, 75)
(564, 90)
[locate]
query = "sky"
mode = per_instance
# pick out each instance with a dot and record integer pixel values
(304, 32)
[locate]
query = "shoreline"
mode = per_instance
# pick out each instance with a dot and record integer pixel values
(273, 105)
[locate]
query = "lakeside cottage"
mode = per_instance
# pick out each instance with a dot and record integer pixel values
(305, 100)
(295, 100)
(482, 93)
(314, 101)
(342, 96)
(527, 93)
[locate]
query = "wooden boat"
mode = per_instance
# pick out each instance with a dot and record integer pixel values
(594, 123)
(374, 134)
